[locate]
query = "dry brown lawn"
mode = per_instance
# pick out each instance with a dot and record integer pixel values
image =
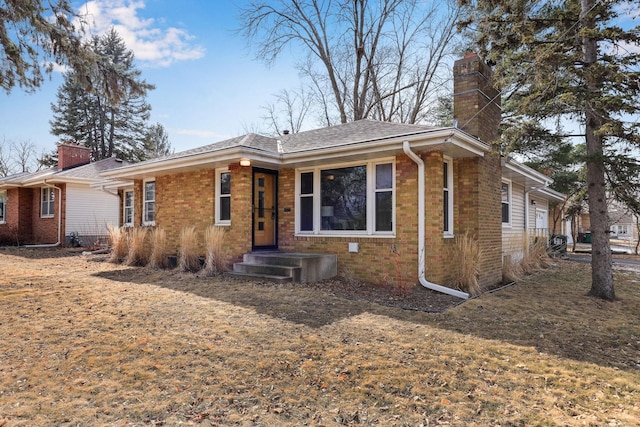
(86, 342)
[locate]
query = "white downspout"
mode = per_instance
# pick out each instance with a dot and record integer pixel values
(421, 231)
(52, 245)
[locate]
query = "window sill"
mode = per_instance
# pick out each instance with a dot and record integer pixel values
(348, 235)
(223, 224)
(449, 236)
(506, 225)
(46, 216)
(149, 224)
(3, 222)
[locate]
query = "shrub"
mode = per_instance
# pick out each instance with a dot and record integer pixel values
(217, 260)
(188, 254)
(138, 247)
(535, 255)
(118, 242)
(158, 249)
(467, 254)
(511, 269)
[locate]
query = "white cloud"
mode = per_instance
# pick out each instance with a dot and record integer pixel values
(151, 41)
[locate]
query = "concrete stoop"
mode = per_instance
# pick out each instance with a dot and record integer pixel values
(286, 267)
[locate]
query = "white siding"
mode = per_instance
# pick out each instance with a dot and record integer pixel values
(513, 235)
(90, 211)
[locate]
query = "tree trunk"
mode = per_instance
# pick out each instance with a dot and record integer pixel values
(601, 264)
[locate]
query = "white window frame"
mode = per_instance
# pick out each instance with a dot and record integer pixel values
(449, 189)
(219, 195)
(3, 211)
(369, 230)
(509, 201)
(125, 207)
(145, 201)
(50, 201)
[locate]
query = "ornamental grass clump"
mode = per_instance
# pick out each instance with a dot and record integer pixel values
(118, 243)
(159, 253)
(188, 259)
(535, 255)
(467, 254)
(138, 247)
(217, 260)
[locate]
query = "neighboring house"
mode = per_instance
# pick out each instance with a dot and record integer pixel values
(623, 222)
(386, 198)
(52, 206)
(526, 197)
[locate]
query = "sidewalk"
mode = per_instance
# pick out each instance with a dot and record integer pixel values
(617, 247)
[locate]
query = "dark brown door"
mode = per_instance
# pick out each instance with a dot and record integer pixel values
(264, 210)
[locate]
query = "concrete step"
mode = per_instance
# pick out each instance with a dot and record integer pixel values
(298, 267)
(265, 277)
(268, 269)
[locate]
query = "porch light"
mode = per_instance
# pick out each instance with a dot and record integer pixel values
(245, 162)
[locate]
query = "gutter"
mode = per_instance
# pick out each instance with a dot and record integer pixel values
(421, 230)
(52, 245)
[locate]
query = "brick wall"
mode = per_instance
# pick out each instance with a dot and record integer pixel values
(183, 199)
(45, 230)
(188, 199)
(378, 260)
(477, 186)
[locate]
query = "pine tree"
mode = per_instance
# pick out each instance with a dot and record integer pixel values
(569, 60)
(156, 142)
(111, 124)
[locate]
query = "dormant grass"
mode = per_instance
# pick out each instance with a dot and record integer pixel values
(159, 249)
(118, 242)
(104, 344)
(467, 254)
(138, 247)
(188, 256)
(217, 258)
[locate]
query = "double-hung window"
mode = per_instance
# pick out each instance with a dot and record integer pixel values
(149, 209)
(223, 197)
(352, 199)
(127, 213)
(447, 173)
(47, 202)
(3, 207)
(505, 194)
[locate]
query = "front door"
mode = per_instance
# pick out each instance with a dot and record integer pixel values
(265, 209)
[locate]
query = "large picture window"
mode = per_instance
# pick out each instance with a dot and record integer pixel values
(127, 214)
(3, 207)
(149, 215)
(47, 202)
(223, 197)
(347, 199)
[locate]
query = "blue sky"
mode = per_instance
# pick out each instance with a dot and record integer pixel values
(208, 85)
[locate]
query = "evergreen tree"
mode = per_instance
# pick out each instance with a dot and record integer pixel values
(33, 32)
(156, 142)
(111, 124)
(569, 60)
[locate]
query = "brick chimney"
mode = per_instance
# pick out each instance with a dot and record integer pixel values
(71, 155)
(476, 103)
